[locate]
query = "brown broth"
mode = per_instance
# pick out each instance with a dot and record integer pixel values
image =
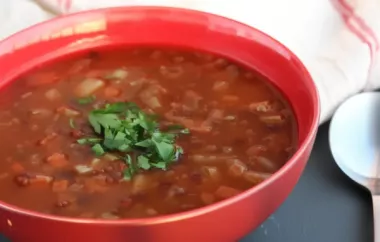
(242, 131)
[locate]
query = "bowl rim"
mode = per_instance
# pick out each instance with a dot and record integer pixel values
(311, 132)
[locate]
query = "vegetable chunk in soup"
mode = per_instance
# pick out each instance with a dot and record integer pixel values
(139, 132)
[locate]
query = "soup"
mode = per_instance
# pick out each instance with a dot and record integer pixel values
(139, 132)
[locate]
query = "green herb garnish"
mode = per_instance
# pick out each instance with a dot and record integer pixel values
(124, 129)
(86, 100)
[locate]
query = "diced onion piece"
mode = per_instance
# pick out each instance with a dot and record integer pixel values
(140, 183)
(227, 149)
(203, 158)
(236, 168)
(256, 150)
(153, 102)
(151, 212)
(150, 96)
(79, 66)
(95, 162)
(47, 139)
(273, 119)
(233, 71)
(226, 192)
(260, 107)
(41, 113)
(230, 118)
(26, 95)
(52, 94)
(197, 126)
(211, 172)
(134, 88)
(207, 198)
(171, 72)
(83, 169)
(220, 86)
(220, 62)
(266, 163)
(214, 116)
(41, 179)
(109, 216)
(88, 87)
(118, 74)
(191, 100)
(209, 158)
(255, 177)
(110, 157)
(68, 112)
(175, 191)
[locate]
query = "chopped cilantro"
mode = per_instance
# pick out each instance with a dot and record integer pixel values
(160, 165)
(125, 129)
(90, 140)
(98, 149)
(143, 162)
(86, 100)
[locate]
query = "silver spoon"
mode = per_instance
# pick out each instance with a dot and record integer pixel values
(354, 138)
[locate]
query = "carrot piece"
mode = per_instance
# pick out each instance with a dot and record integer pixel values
(60, 186)
(57, 160)
(226, 192)
(111, 92)
(40, 180)
(17, 167)
(47, 139)
(42, 79)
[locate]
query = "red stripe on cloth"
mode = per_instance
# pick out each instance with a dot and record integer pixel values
(359, 28)
(360, 22)
(67, 5)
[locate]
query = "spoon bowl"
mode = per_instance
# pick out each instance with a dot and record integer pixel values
(354, 138)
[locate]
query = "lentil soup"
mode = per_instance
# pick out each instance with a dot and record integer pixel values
(139, 132)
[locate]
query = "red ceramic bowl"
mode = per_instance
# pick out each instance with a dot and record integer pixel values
(225, 221)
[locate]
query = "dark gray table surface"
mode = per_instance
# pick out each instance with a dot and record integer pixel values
(325, 206)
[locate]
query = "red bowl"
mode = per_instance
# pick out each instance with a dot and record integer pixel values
(227, 220)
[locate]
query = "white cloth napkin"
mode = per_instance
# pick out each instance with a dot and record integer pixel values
(338, 40)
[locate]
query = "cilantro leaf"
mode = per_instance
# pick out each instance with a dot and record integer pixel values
(118, 107)
(143, 162)
(130, 171)
(98, 149)
(145, 143)
(160, 165)
(90, 140)
(165, 150)
(86, 100)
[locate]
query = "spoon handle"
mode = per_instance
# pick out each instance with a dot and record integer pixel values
(376, 217)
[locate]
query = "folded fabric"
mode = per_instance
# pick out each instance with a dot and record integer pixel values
(336, 39)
